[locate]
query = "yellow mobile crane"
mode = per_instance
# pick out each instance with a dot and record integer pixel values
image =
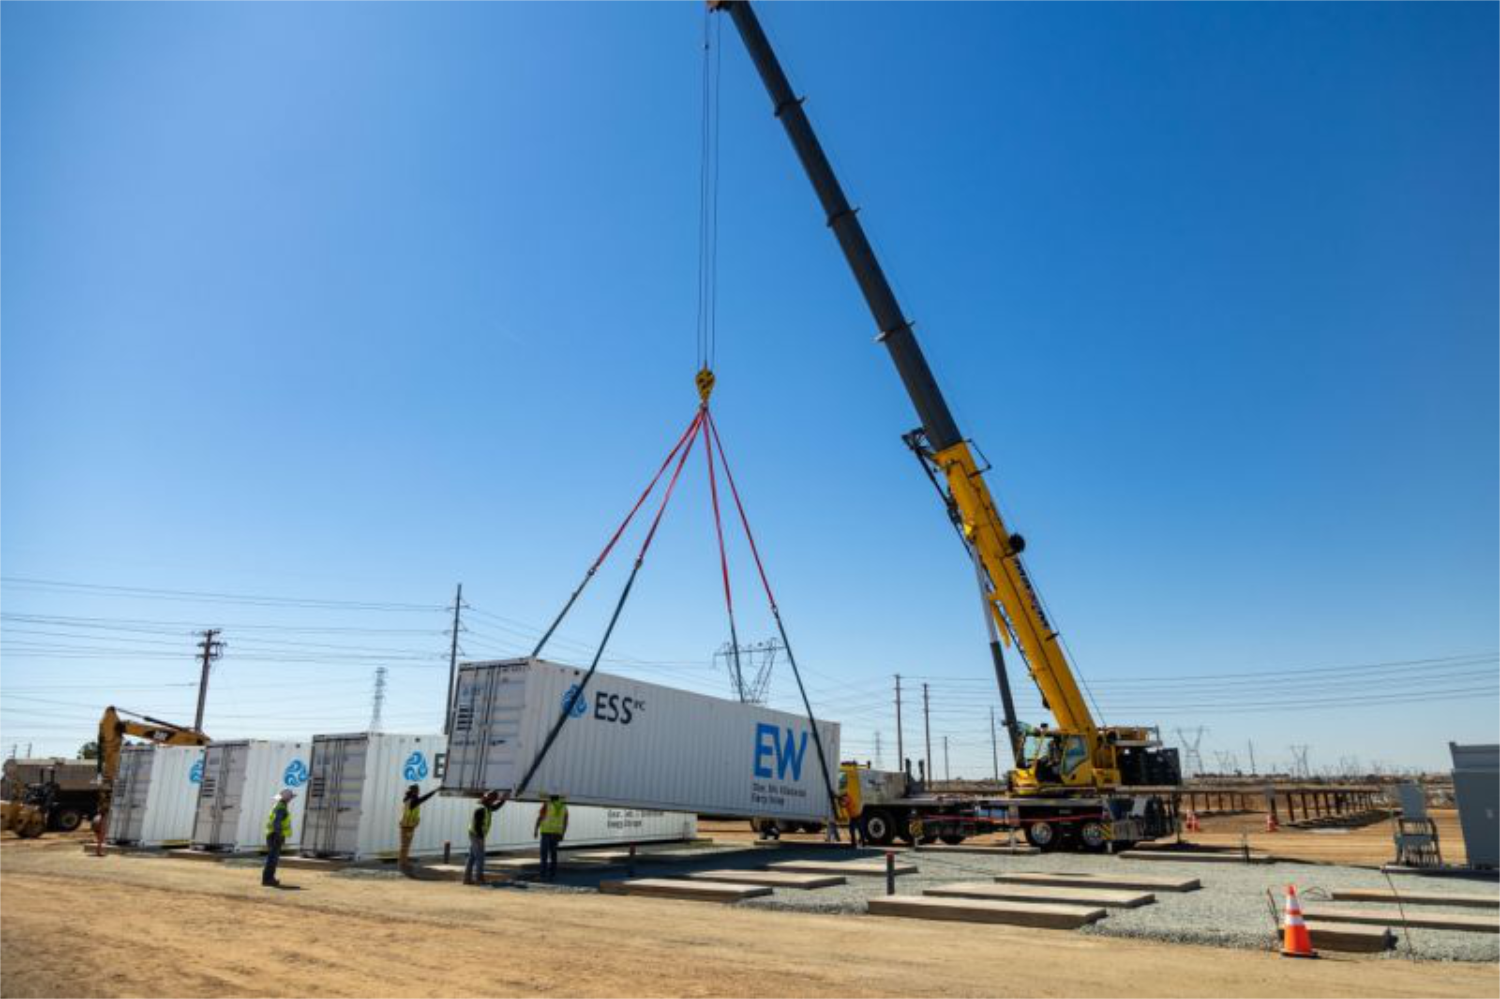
(1078, 760)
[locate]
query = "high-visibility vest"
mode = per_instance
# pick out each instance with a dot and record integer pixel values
(411, 816)
(479, 825)
(285, 825)
(554, 817)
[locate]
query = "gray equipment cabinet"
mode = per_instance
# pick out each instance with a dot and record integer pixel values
(1476, 783)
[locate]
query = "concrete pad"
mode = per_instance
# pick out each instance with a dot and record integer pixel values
(1411, 920)
(701, 891)
(1351, 937)
(1463, 901)
(773, 879)
(973, 910)
(1019, 850)
(1042, 893)
(205, 856)
(1186, 857)
(1122, 882)
(862, 868)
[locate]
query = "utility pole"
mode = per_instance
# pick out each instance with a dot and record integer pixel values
(947, 776)
(994, 746)
(927, 728)
(458, 602)
(212, 649)
(900, 744)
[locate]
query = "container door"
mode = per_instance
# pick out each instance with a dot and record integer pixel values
(205, 818)
(231, 794)
(131, 789)
(319, 818)
(483, 748)
(348, 794)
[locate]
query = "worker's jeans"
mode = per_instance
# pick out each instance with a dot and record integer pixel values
(549, 855)
(474, 866)
(403, 860)
(273, 856)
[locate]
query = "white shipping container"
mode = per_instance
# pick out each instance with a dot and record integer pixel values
(355, 786)
(155, 794)
(240, 779)
(354, 799)
(630, 744)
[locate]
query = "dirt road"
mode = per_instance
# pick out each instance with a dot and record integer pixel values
(130, 926)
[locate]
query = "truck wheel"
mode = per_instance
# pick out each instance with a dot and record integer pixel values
(879, 829)
(1042, 835)
(1093, 837)
(67, 819)
(784, 827)
(812, 828)
(952, 839)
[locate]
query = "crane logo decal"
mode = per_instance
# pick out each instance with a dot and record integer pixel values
(415, 767)
(195, 774)
(296, 774)
(572, 703)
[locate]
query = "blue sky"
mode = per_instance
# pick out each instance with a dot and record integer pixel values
(347, 303)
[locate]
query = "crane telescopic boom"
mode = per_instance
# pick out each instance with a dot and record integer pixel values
(1009, 595)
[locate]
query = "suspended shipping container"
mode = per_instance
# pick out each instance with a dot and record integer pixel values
(630, 744)
(155, 795)
(240, 779)
(354, 800)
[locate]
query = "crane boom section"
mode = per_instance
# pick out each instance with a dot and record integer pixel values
(1014, 601)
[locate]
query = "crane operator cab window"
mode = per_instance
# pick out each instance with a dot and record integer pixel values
(1054, 757)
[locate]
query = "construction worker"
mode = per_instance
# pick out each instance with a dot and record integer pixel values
(411, 817)
(551, 826)
(278, 831)
(479, 831)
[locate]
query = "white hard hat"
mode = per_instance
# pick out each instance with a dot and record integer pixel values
(287, 794)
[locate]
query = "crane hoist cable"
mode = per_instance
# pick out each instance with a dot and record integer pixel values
(706, 331)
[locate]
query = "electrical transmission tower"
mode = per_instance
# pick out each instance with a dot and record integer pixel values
(750, 670)
(1228, 762)
(1190, 750)
(1299, 761)
(378, 701)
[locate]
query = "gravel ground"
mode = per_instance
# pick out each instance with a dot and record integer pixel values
(1230, 910)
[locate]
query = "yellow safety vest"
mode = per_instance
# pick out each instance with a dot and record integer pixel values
(554, 816)
(286, 822)
(479, 825)
(411, 817)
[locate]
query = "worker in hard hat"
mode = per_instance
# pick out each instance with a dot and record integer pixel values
(278, 831)
(411, 817)
(551, 827)
(479, 831)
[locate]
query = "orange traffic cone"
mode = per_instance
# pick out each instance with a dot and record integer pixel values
(1271, 824)
(1297, 941)
(1192, 822)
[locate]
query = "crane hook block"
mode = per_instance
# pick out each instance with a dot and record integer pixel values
(704, 379)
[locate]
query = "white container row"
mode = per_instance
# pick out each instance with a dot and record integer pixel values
(238, 783)
(155, 795)
(630, 744)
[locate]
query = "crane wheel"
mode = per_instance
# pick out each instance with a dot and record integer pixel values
(1093, 837)
(879, 828)
(1042, 835)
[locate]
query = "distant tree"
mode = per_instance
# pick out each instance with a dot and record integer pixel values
(88, 751)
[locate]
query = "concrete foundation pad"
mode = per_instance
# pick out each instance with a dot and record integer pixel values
(307, 863)
(872, 868)
(1102, 897)
(1351, 937)
(1119, 882)
(1194, 857)
(702, 891)
(1019, 850)
(1410, 919)
(772, 879)
(973, 910)
(1463, 901)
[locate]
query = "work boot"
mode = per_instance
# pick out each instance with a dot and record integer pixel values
(270, 884)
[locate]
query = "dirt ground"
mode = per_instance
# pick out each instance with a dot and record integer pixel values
(131, 926)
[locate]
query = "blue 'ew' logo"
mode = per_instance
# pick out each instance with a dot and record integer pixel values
(415, 767)
(295, 775)
(788, 756)
(195, 774)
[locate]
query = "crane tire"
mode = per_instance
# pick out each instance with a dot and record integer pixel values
(1043, 835)
(879, 827)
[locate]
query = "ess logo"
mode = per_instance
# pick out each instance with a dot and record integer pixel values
(296, 774)
(572, 704)
(416, 767)
(196, 773)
